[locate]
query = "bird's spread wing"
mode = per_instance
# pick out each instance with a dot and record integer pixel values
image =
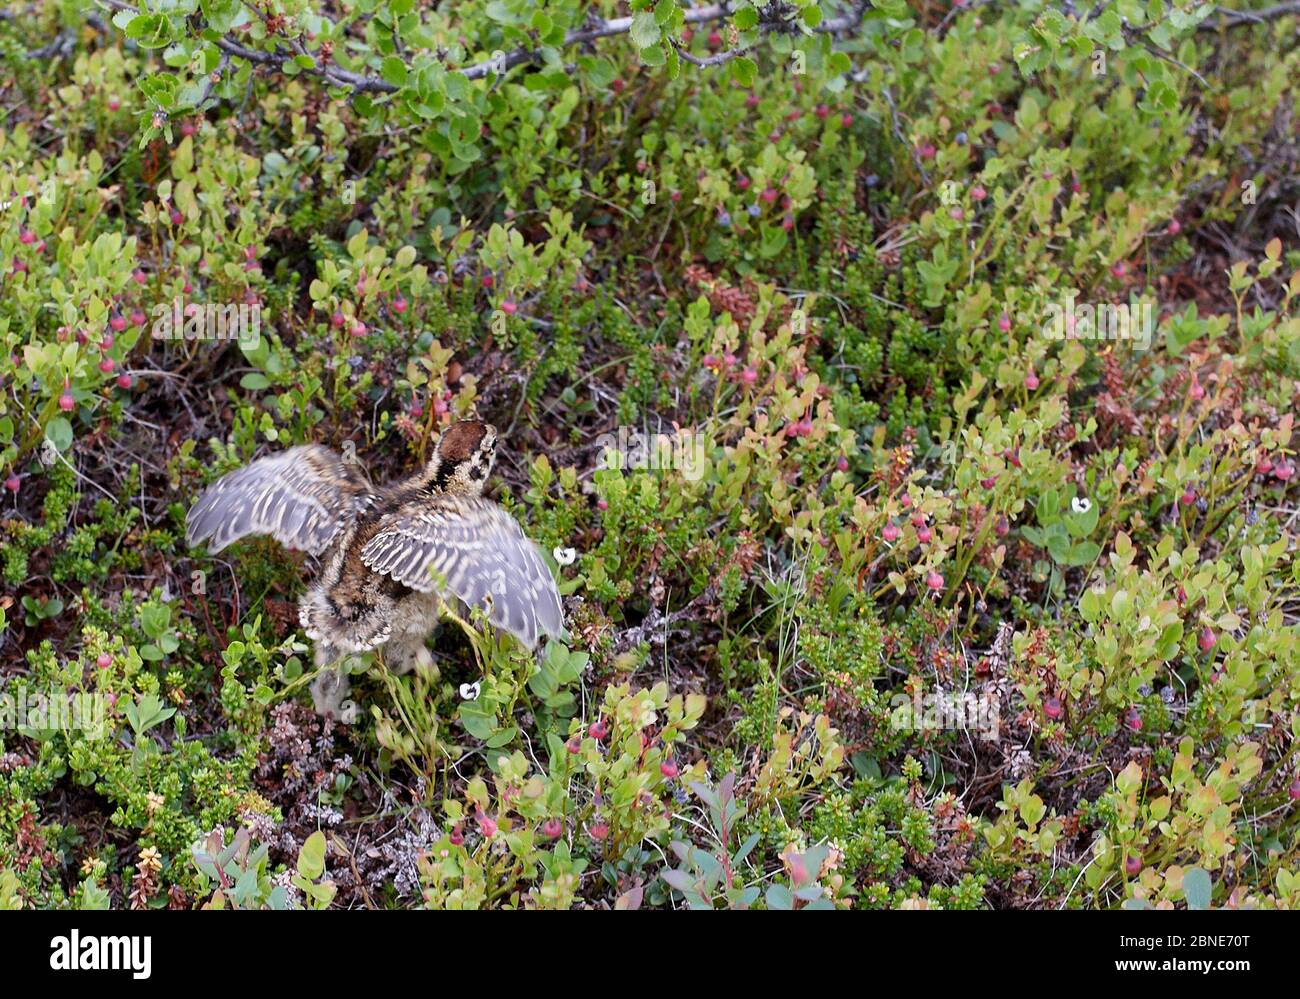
(481, 555)
(301, 497)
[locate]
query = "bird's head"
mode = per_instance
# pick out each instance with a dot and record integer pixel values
(463, 458)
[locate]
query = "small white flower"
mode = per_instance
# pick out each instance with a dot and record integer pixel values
(469, 691)
(565, 556)
(1080, 504)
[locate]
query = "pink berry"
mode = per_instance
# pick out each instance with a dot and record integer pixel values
(890, 532)
(13, 483)
(137, 317)
(751, 101)
(1004, 323)
(187, 127)
(107, 365)
(1002, 527)
(439, 407)
(26, 237)
(978, 193)
(822, 111)
(117, 323)
(918, 519)
(574, 745)
(1174, 227)
(743, 183)
(714, 39)
(488, 281)
(1133, 719)
(1293, 792)
(905, 500)
(598, 730)
(1284, 470)
(598, 830)
(124, 381)
(176, 216)
(602, 504)
(787, 223)
(552, 828)
(509, 307)
(114, 104)
(457, 836)
(358, 328)
(139, 276)
(1133, 866)
(486, 825)
(846, 119)
(66, 402)
(749, 376)
(338, 319)
(924, 535)
(107, 342)
(934, 580)
(1196, 391)
(769, 194)
(842, 463)
(1207, 639)
(957, 213)
(1188, 497)
(1119, 269)
(927, 151)
(668, 768)
(104, 661)
(1031, 380)
(1052, 707)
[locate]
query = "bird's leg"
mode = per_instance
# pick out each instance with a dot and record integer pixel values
(329, 690)
(405, 653)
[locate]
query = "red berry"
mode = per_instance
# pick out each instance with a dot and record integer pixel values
(574, 745)
(13, 483)
(176, 216)
(743, 183)
(668, 768)
(934, 580)
(1133, 866)
(488, 281)
(1002, 527)
(124, 381)
(118, 323)
(338, 319)
(1052, 708)
(107, 365)
(1207, 639)
(822, 112)
(751, 101)
(114, 104)
(26, 236)
(457, 837)
(486, 825)
(188, 127)
(107, 342)
(769, 194)
(715, 39)
(1188, 497)
(598, 830)
(1293, 792)
(846, 119)
(1133, 719)
(137, 317)
(842, 463)
(598, 729)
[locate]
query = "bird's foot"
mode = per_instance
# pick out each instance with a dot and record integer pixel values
(329, 694)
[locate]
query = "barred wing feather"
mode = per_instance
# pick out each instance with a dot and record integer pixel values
(301, 497)
(482, 556)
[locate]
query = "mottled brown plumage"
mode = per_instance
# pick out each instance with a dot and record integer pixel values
(390, 555)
